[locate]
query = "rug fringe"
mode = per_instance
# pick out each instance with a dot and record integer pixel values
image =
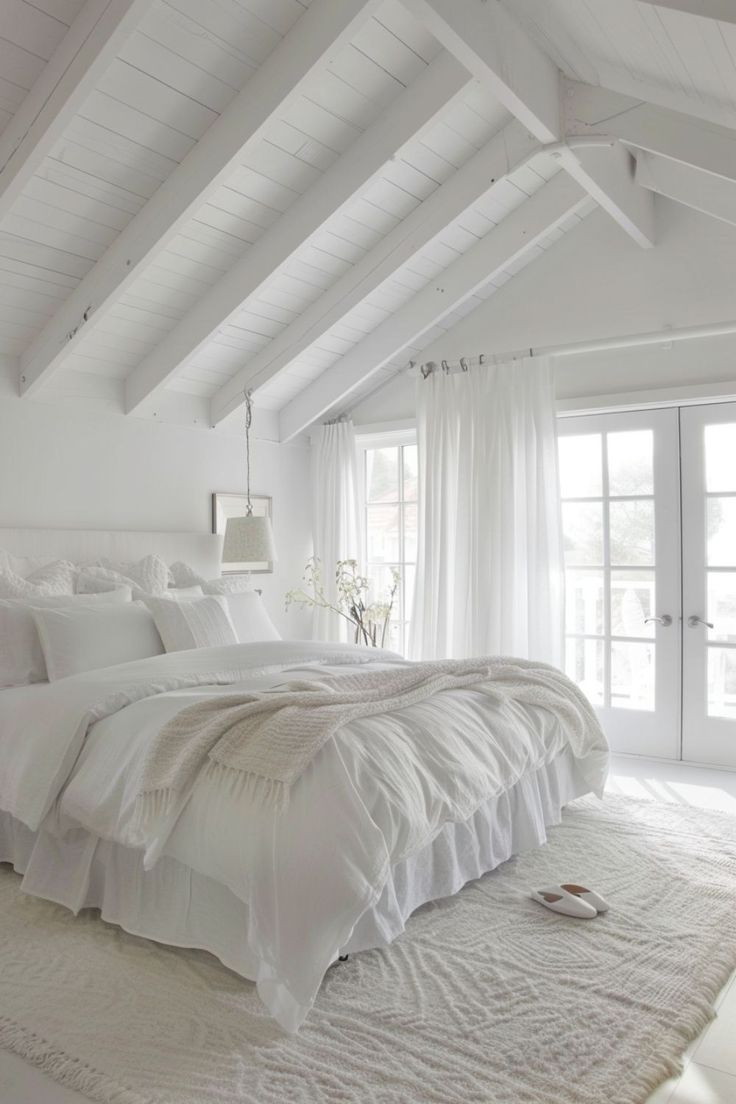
(68, 1071)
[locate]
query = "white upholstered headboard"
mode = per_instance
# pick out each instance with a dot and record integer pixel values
(201, 551)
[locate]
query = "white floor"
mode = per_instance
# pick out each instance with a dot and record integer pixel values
(710, 1062)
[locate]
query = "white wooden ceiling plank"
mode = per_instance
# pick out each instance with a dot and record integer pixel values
(385, 48)
(367, 214)
(232, 23)
(11, 96)
(329, 90)
(31, 27)
(23, 290)
(343, 228)
(278, 14)
(701, 48)
(334, 245)
(27, 315)
(196, 235)
(472, 127)
(143, 55)
(272, 89)
(449, 144)
(135, 125)
(61, 218)
(257, 324)
(332, 264)
(669, 55)
(261, 308)
(365, 76)
(321, 124)
(56, 240)
(428, 162)
(195, 43)
(475, 222)
(196, 274)
(527, 179)
(256, 185)
(413, 111)
(65, 11)
(283, 167)
(77, 58)
(217, 217)
(19, 67)
(190, 252)
(111, 156)
(472, 270)
(79, 362)
(458, 238)
(409, 179)
(706, 9)
(396, 19)
(310, 274)
(77, 191)
(390, 197)
(148, 295)
(42, 256)
(299, 144)
(23, 274)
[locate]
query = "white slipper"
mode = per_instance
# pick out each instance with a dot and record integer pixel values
(587, 895)
(559, 900)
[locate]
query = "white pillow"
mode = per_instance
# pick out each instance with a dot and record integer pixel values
(45, 582)
(229, 584)
(86, 637)
(151, 573)
(177, 593)
(21, 655)
(182, 575)
(21, 565)
(195, 623)
(250, 618)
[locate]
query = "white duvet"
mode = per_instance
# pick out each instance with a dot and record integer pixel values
(380, 790)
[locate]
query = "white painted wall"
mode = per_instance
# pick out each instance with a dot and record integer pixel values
(596, 283)
(92, 469)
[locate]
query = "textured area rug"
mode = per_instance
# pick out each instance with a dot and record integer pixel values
(487, 998)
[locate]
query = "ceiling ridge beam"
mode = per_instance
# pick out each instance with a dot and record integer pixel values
(519, 232)
(408, 116)
(590, 111)
(323, 28)
(485, 171)
(498, 51)
(90, 44)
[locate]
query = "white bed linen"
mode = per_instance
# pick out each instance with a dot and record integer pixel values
(374, 796)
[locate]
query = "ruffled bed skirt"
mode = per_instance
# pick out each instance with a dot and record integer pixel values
(176, 905)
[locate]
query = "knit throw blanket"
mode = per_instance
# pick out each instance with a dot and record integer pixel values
(261, 742)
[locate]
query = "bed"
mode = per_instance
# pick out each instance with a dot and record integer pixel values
(395, 810)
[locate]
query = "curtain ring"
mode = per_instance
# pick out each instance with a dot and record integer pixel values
(427, 369)
(445, 367)
(463, 364)
(481, 358)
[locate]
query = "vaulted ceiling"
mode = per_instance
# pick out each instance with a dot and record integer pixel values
(201, 197)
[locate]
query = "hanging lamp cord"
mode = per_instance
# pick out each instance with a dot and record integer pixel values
(248, 423)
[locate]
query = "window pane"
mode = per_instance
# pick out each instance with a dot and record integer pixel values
(408, 590)
(584, 665)
(632, 675)
(580, 466)
(722, 606)
(410, 473)
(383, 534)
(630, 467)
(722, 682)
(410, 533)
(722, 532)
(720, 457)
(582, 524)
(632, 532)
(382, 474)
(584, 601)
(632, 599)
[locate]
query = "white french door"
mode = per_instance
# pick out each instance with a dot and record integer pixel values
(708, 435)
(649, 522)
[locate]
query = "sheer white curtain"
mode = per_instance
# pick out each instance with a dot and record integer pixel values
(336, 505)
(490, 563)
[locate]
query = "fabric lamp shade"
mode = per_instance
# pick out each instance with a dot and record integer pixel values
(248, 539)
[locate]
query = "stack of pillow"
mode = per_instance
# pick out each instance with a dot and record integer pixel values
(60, 619)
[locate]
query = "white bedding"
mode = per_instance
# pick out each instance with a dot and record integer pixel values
(376, 794)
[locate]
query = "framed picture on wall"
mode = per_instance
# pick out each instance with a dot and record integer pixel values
(224, 506)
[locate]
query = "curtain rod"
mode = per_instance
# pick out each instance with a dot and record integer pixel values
(653, 337)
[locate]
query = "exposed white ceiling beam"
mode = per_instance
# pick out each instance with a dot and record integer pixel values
(500, 54)
(607, 174)
(702, 191)
(406, 118)
(92, 41)
(724, 10)
(508, 241)
(591, 111)
(478, 177)
(325, 26)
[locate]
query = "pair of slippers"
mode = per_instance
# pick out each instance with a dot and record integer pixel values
(571, 900)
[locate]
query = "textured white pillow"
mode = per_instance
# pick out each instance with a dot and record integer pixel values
(178, 593)
(151, 573)
(21, 655)
(229, 584)
(84, 638)
(195, 623)
(45, 582)
(250, 618)
(182, 575)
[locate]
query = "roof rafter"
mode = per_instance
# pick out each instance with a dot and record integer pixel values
(324, 27)
(412, 112)
(607, 174)
(92, 41)
(705, 192)
(722, 10)
(492, 46)
(484, 172)
(591, 111)
(519, 232)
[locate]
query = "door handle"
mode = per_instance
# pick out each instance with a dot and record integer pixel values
(694, 620)
(665, 619)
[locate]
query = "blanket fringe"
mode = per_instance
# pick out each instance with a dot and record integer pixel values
(256, 789)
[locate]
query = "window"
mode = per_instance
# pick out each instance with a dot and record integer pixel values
(389, 466)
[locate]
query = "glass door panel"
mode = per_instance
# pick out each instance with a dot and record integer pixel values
(620, 495)
(709, 583)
